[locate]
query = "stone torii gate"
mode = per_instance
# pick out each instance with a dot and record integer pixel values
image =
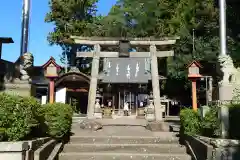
(96, 54)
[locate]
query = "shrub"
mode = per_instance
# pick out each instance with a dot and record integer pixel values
(211, 124)
(17, 116)
(190, 122)
(57, 119)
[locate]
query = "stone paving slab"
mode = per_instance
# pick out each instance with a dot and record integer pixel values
(118, 131)
(125, 126)
(122, 156)
(125, 121)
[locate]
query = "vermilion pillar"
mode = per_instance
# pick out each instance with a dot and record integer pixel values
(194, 94)
(51, 91)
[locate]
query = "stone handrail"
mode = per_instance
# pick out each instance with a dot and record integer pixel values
(39, 149)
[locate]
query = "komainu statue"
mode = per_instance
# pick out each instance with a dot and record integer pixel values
(26, 63)
(227, 68)
(231, 76)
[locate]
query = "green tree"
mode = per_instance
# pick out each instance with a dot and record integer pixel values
(152, 18)
(162, 18)
(139, 18)
(70, 17)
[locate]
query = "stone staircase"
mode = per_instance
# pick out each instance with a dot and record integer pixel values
(123, 143)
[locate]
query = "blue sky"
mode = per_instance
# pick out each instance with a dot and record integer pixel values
(10, 17)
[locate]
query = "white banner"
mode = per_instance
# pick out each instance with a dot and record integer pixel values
(60, 96)
(44, 100)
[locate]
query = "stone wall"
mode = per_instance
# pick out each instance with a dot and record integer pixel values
(204, 148)
(198, 149)
(39, 149)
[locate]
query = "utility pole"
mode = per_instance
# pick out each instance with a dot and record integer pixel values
(25, 27)
(193, 39)
(223, 88)
(223, 37)
(65, 52)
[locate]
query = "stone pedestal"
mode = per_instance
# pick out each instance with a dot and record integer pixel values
(150, 111)
(158, 126)
(225, 96)
(18, 87)
(226, 91)
(98, 114)
(224, 116)
(150, 114)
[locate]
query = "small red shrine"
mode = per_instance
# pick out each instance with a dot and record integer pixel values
(51, 71)
(193, 75)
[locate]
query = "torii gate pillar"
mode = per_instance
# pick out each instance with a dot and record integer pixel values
(155, 84)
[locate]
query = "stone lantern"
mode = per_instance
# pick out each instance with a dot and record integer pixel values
(150, 109)
(97, 108)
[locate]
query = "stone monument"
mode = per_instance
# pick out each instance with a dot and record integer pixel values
(229, 86)
(226, 85)
(25, 65)
(97, 109)
(229, 90)
(149, 110)
(21, 85)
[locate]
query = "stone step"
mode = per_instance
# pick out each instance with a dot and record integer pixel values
(121, 156)
(175, 128)
(125, 148)
(123, 140)
(76, 119)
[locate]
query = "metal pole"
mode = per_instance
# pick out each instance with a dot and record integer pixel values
(193, 45)
(66, 60)
(210, 89)
(65, 52)
(206, 80)
(130, 103)
(25, 27)
(0, 50)
(119, 102)
(223, 109)
(223, 27)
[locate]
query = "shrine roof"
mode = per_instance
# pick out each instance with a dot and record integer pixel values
(6, 40)
(196, 63)
(51, 60)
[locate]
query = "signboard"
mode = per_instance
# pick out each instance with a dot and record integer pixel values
(60, 96)
(51, 70)
(126, 70)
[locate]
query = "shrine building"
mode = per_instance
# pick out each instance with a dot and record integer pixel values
(127, 75)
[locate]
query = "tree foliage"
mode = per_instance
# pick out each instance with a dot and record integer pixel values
(70, 17)
(153, 18)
